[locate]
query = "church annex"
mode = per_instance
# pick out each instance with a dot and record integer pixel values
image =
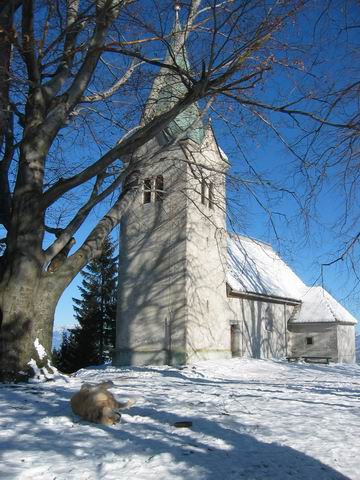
(190, 291)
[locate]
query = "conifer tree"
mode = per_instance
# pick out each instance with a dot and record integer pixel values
(91, 341)
(64, 357)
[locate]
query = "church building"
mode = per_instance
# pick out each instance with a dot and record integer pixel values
(189, 290)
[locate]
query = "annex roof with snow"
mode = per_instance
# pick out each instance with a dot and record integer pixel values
(256, 270)
(318, 304)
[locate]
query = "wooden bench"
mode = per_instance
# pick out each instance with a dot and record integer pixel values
(309, 359)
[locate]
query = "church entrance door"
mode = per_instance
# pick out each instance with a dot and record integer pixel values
(235, 340)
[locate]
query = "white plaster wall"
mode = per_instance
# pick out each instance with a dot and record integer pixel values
(151, 312)
(262, 327)
(346, 343)
(172, 304)
(208, 314)
(324, 339)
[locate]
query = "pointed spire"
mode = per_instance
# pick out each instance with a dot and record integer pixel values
(168, 88)
(177, 53)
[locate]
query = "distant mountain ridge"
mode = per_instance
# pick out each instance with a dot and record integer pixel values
(57, 338)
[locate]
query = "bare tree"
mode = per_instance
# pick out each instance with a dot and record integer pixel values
(74, 78)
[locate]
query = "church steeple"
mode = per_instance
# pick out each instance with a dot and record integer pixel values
(170, 86)
(172, 288)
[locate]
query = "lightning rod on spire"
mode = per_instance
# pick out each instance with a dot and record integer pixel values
(177, 8)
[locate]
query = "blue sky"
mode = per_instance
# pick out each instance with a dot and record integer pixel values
(303, 249)
(304, 238)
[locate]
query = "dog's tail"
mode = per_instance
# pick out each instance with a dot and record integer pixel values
(127, 404)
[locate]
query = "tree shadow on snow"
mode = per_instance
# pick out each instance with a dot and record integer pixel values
(211, 449)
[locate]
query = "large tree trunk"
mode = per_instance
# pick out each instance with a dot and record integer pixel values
(27, 307)
(28, 294)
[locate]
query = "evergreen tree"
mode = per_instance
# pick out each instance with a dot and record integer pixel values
(64, 357)
(91, 341)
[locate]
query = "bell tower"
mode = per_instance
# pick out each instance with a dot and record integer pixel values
(172, 291)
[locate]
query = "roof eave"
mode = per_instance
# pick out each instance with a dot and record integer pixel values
(322, 322)
(262, 297)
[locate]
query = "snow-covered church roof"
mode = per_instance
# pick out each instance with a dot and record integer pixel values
(254, 268)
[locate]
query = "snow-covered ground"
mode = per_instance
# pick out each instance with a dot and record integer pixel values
(251, 419)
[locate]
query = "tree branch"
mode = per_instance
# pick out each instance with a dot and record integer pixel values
(346, 251)
(74, 25)
(288, 111)
(126, 146)
(91, 247)
(28, 42)
(68, 232)
(95, 97)
(62, 106)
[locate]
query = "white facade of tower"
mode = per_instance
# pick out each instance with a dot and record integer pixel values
(172, 304)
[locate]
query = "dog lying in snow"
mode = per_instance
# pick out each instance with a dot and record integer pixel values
(96, 404)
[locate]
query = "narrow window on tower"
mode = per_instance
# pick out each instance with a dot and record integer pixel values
(207, 193)
(203, 192)
(147, 190)
(211, 195)
(159, 188)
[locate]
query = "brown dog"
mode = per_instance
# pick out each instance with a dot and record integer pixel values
(96, 404)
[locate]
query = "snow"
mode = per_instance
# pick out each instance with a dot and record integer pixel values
(45, 373)
(251, 419)
(39, 349)
(223, 155)
(318, 305)
(254, 267)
